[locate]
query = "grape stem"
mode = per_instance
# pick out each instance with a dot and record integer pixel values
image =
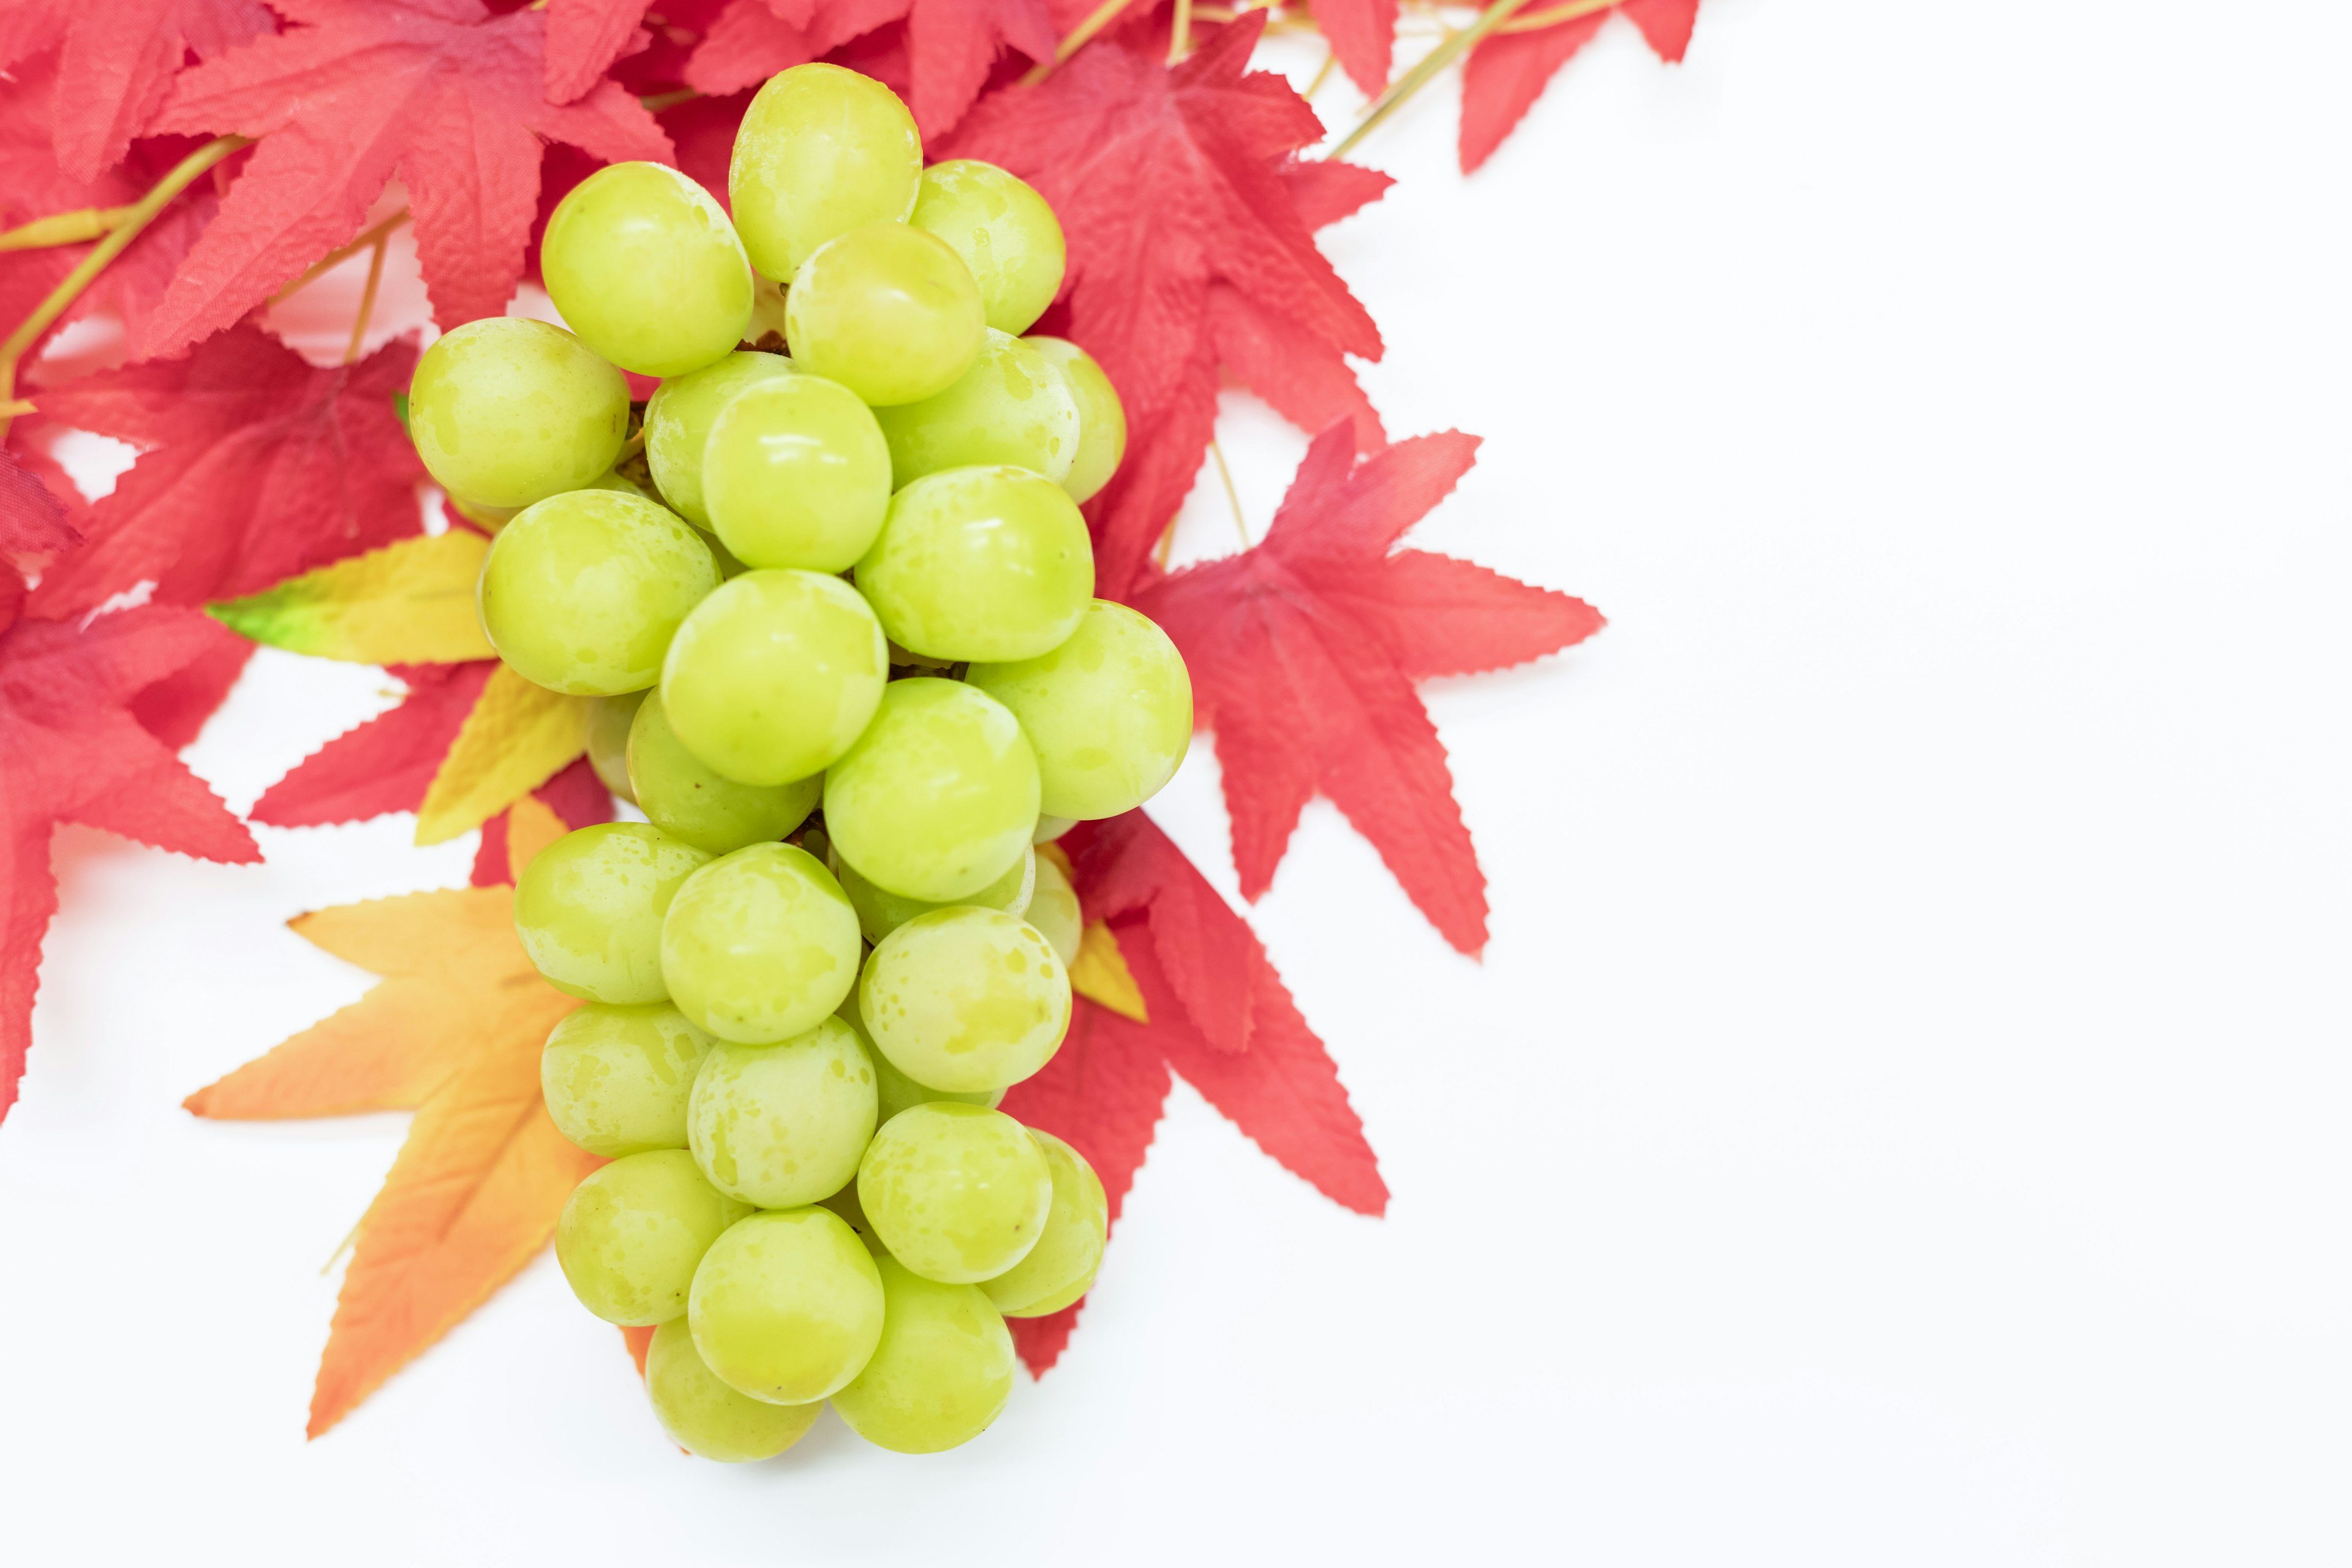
(141, 212)
(1448, 50)
(63, 228)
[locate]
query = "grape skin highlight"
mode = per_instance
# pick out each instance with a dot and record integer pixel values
(1011, 407)
(979, 564)
(1108, 712)
(965, 998)
(940, 1374)
(633, 1233)
(820, 151)
(785, 1124)
(889, 311)
(680, 794)
(1004, 230)
(509, 411)
(759, 945)
(786, 1306)
(796, 473)
(589, 909)
(616, 1079)
(773, 678)
(583, 590)
(939, 797)
(678, 420)
(958, 1193)
(644, 266)
(705, 1416)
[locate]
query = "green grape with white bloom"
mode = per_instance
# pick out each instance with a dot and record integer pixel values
(786, 1306)
(609, 718)
(507, 411)
(773, 678)
(1004, 230)
(679, 417)
(616, 1079)
(1058, 1270)
(957, 1192)
(881, 911)
(582, 592)
(705, 1416)
(844, 1203)
(1108, 712)
(979, 564)
(965, 998)
(759, 945)
(785, 1124)
(1102, 421)
(820, 151)
(589, 909)
(939, 797)
(894, 1091)
(681, 795)
(631, 1235)
(1053, 911)
(644, 266)
(941, 1371)
(888, 310)
(796, 473)
(1012, 406)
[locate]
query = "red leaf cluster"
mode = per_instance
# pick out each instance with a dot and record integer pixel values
(1507, 72)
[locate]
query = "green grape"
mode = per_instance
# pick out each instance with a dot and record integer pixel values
(979, 564)
(608, 739)
(644, 266)
(820, 151)
(1004, 232)
(772, 678)
(680, 794)
(1102, 423)
(958, 1193)
(941, 1373)
(784, 1125)
(938, 796)
(589, 909)
(616, 1079)
(632, 1232)
(583, 590)
(965, 998)
(1053, 911)
(787, 1306)
(889, 311)
(705, 1416)
(759, 945)
(894, 1091)
(1012, 406)
(881, 911)
(1110, 712)
(1061, 1265)
(507, 411)
(844, 1205)
(678, 421)
(796, 474)
(1050, 828)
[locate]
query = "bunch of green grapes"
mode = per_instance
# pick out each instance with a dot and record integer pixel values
(833, 595)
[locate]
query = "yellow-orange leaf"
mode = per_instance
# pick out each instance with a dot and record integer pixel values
(1100, 974)
(456, 984)
(531, 827)
(473, 1197)
(410, 603)
(515, 740)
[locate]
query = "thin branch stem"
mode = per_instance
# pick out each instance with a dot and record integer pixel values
(662, 101)
(63, 228)
(335, 258)
(1429, 65)
(1322, 74)
(1233, 496)
(1553, 15)
(1180, 32)
(142, 212)
(367, 298)
(1079, 36)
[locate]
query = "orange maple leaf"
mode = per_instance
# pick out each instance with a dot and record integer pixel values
(454, 1031)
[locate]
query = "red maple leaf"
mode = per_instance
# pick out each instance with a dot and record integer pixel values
(1104, 1090)
(1507, 72)
(1362, 35)
(385, 763)
(584, 38)
(33, 522)
(117, 63)
(258, 465)
(444, 92)
(951, 44)
(1188, 248)
(71, 751)
(1303, 651)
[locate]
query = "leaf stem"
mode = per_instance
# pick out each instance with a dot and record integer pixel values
(1553, 15)
(1437, 59)
(335, 258)
(1180, 32)
(1078, 38)
(63, 228)
(1233, 496)
(367, 298)
(142, 212)
(661, 101)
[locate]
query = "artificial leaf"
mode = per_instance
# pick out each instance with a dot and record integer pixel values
(1169, 181)
(409, 602)
(257, 466)
(518, 736)
(584, 38)
(175, 709)
(573, 799)
(1507, 70)
(1099, 973)
(1362, 35)
(1323, 190)
(443, 92)
(1210, 956)
(117, 63)
(385, 763)
(71, 751)
(33, 522)
(1303, 652)
(951, 44)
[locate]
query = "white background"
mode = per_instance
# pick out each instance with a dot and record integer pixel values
(1902, 1117)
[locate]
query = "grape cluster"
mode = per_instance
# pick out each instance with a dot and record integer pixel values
(835, 604)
